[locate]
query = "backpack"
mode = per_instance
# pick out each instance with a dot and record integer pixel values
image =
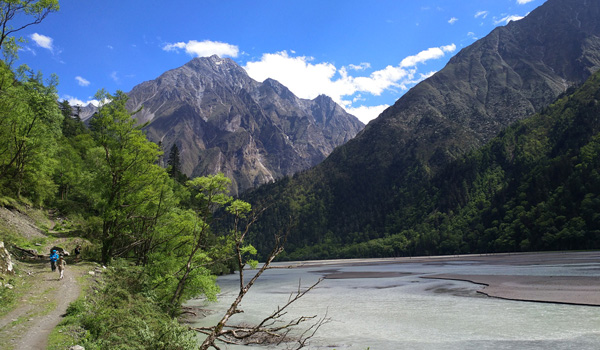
(54, 256)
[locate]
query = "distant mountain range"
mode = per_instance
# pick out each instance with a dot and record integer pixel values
(512, 73)
(224, 121)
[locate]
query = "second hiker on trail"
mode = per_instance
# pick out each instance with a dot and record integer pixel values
(77, 252)
(61, 266)
(53, 259)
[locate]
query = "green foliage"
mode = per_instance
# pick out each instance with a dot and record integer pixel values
(129, 187)
(180, 234)
(194, 251)
(123, 313)
(29, 130)
(8, 295)
(239, 208)
(174, 165)
(12, 14)
(211, 191)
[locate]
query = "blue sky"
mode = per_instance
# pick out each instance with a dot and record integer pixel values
(364, 54)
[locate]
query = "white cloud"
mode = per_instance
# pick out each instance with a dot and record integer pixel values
(424, 76)
(204, 48)
(379, 81)
(366, 113)
(523, 2)
(425, 55)
(482, 14)
(452, 20)
(82, 81)
(42, 41)
(507, 19)
(74, 101)
(28, 49)
(361, 66)
(307, 79)
(115, 77)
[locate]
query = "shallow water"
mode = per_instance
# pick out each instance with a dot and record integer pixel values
(402, 310)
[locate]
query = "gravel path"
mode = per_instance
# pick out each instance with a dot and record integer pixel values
(42, 307)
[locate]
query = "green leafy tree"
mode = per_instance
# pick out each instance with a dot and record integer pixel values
(68, 169)
(35, 10)
(72, 124)
(29, 130)
(128, 183)
(70, 173)
(16, 15)
(174, 165)
(211, 193)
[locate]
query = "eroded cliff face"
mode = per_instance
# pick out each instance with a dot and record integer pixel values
(224, 121)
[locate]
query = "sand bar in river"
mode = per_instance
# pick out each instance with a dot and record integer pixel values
(579, 290)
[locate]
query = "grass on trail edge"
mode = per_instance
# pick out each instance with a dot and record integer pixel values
(69, 332)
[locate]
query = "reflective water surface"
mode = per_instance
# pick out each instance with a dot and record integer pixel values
(382, 305)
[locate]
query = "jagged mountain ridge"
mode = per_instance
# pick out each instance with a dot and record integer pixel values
(507, 76)
(224, 121)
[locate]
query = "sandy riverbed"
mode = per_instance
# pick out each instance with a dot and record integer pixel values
(579, 290)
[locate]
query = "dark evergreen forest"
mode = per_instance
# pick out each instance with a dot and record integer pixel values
(534, 187)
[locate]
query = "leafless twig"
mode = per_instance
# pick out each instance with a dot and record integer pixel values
(271, 329)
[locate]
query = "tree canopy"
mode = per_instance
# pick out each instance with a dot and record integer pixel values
(16, 15)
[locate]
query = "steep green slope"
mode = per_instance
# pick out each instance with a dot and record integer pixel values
(512, 73)
(534, 187)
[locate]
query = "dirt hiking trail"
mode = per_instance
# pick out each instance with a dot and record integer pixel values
(43, 298)
(42, 307)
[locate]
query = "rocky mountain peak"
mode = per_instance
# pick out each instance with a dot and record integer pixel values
(325, 101)
(224, 121)
(508, 75)
(216, 66)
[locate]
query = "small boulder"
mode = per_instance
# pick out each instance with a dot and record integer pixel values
(6, 266)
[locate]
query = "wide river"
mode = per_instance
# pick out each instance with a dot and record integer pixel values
(390, 304)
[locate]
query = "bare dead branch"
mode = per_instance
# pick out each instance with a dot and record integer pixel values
(271, 329)
(310, 332)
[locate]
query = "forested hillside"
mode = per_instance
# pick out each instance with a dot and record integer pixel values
(534, 187)
(514, 72)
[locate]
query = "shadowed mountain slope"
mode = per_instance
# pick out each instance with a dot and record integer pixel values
(509, 75)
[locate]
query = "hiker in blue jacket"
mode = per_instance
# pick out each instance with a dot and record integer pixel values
(53, 259)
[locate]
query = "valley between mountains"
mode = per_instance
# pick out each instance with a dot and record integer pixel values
(204, 172)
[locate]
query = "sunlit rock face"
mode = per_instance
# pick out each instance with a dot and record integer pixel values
(224, 121)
